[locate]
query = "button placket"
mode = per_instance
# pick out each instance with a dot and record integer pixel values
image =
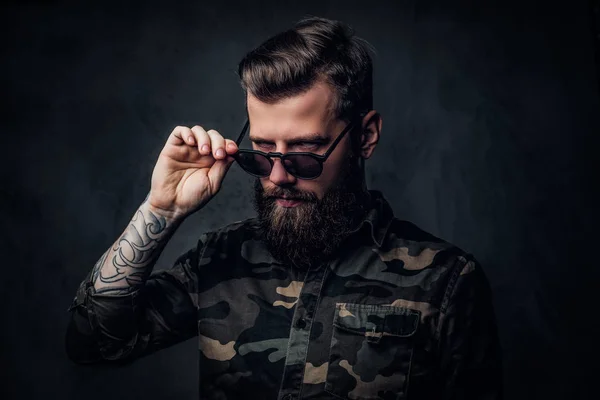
(300, 335)
(301, 323)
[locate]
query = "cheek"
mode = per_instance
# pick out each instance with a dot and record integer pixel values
(322, 184)
(332, 169)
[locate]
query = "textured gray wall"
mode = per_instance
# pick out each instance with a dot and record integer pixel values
(491, 117)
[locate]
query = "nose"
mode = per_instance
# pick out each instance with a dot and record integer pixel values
(279, 176)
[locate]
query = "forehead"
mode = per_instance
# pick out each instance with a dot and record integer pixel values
(308, 112)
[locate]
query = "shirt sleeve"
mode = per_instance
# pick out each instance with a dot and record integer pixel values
(471, 361)
(121, 328)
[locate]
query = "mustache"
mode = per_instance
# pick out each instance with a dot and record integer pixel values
(288, 193)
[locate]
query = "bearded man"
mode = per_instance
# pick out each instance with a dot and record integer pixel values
(324, 294)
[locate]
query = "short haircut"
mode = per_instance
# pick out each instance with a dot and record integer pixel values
(315, 49)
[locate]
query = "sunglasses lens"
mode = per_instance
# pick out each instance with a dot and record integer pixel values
(255, 164)
(302, 166)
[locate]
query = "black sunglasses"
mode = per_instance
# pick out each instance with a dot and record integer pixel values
(302, 165)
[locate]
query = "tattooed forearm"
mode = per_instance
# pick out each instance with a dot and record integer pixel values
(128, 263)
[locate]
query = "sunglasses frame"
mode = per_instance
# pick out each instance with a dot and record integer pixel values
(269, 156)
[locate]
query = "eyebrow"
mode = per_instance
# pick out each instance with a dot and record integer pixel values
(307, 138)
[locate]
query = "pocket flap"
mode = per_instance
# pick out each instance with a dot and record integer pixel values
(376, 321)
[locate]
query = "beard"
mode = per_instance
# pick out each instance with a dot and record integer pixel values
(311, 232)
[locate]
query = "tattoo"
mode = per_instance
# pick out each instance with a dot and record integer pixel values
(132, 256)
(98, 266)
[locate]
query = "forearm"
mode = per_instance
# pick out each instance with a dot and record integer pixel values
(110, 319)
(129, 261)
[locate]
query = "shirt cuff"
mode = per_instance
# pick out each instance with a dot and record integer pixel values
(113, 319)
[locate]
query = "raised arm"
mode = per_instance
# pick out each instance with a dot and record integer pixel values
(121, 310)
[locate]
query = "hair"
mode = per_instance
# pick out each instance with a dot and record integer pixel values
(314, 50)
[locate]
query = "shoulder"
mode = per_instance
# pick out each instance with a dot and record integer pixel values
(239, 241)
(419, 249)
(443, 269)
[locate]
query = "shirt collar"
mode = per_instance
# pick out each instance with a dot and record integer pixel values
(378, 218)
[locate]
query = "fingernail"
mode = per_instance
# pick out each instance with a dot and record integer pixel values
(220, 153)
(205, 148)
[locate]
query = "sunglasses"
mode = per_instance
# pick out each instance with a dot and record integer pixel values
(302, 165)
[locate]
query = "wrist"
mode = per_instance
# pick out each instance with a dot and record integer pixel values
(172, 217)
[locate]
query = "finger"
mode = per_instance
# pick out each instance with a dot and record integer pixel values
(188, 136)
(217, 172)
(202, 139)
(217, 143)
(230, 146)
(179, 136)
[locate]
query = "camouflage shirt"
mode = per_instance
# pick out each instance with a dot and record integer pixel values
(399, 314)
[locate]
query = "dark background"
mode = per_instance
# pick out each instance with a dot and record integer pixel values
(491, 121)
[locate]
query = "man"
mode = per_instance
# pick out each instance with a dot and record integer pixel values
(324, 294)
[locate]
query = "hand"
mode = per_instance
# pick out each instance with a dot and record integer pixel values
(189, 170)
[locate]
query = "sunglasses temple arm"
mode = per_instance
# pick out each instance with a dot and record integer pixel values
(338, 139)
(241, 136)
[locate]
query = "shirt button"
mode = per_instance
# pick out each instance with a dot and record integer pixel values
(300, 324)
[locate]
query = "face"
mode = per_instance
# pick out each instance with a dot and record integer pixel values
(302, 123)
(304, 221)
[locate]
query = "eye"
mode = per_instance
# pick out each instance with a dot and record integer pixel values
(308, 145)
(263, 146)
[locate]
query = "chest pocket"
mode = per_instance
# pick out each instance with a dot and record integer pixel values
(371, 351)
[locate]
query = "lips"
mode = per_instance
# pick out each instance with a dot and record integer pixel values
(288, 201)
(286, 198)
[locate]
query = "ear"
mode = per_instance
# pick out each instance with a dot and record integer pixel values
(369, 137)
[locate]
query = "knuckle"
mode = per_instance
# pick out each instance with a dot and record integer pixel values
(214, 133)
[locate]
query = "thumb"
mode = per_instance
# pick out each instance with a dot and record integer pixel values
(217, 172)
